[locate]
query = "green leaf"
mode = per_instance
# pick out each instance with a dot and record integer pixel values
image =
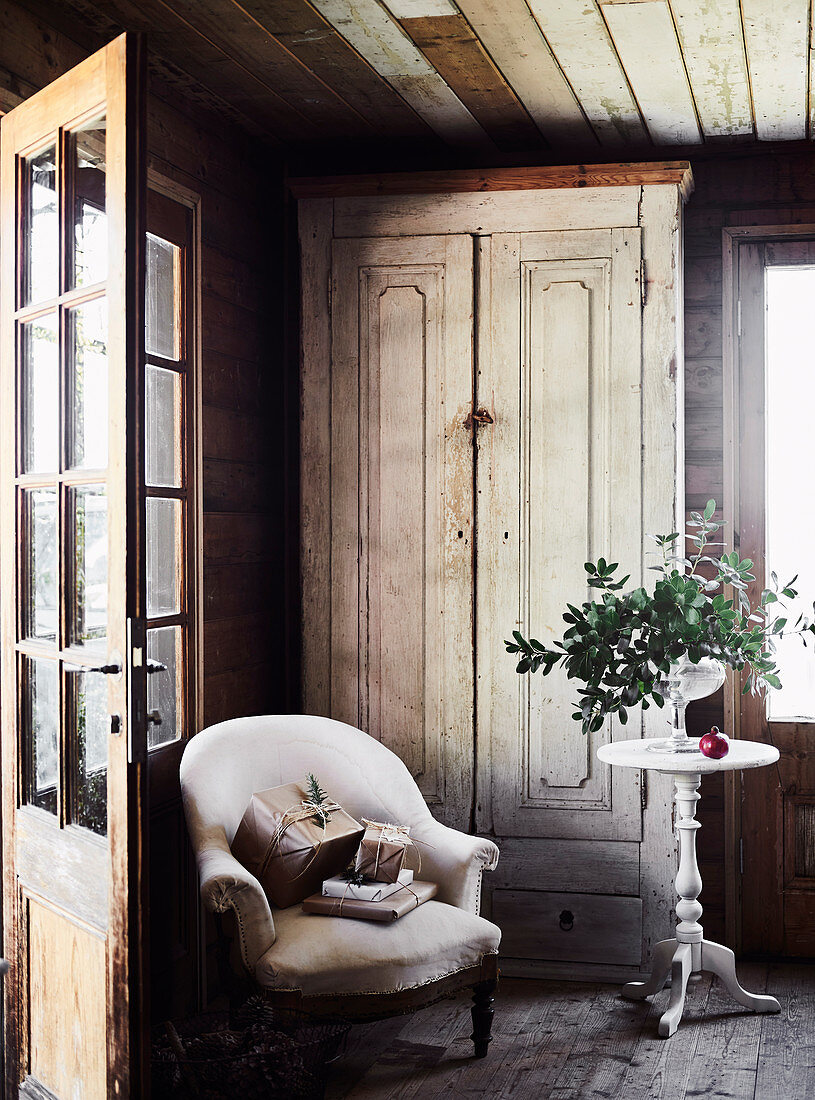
(710, 508)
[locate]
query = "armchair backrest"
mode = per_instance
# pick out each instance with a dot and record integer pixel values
(225, 764)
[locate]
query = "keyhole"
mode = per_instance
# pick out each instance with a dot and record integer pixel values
(566, 920)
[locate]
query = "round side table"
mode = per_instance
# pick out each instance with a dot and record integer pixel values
(689, 952)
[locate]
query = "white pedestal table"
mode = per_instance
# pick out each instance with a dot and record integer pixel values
(688, 952)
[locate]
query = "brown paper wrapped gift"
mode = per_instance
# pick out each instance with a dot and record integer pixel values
(287, 850)
(389, 909)
(383, 850)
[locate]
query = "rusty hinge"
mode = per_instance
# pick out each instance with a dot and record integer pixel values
(477, 416)
(642, 282)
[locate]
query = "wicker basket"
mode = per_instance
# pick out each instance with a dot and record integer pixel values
(260, 1054)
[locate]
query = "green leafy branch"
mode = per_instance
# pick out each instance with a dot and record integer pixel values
(620, 645)
(317, 795)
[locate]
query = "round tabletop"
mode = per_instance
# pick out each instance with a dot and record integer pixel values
(636, 754)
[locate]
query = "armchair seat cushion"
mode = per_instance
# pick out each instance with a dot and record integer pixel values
(317, 954)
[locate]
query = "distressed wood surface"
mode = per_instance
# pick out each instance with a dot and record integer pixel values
(563, 1040)
(401, 505)
(569, 927)
(457, 55)
(645, 40)
(579, 38)
(489, 213)
(515, 42)
(498, 179)
(341, 81)
(547, 767)
(712, 44)
(306, 35)
(776, 39)
(377, 37)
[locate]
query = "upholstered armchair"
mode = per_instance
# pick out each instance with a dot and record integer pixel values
(353, 968)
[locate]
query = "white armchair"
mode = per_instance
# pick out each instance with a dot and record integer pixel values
(347, 967)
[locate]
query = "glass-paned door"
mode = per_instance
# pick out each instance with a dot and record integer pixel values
(773, 388)
(71, 553)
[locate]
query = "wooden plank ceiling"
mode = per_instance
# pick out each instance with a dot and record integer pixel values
(490, 78)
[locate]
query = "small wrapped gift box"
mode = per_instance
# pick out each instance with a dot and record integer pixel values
(340, 887)
(388, 909)
(291, 845)
(383, 850)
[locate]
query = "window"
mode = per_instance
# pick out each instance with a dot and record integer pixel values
(169, 470)
(790, 533)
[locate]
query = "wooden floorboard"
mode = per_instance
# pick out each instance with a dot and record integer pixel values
(786, 1061)
(570, 1041)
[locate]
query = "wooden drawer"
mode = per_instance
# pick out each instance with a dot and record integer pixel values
(602, 929)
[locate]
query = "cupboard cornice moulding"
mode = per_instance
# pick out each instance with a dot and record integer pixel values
(527, 178)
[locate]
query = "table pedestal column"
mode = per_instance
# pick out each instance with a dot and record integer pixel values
(688, 952)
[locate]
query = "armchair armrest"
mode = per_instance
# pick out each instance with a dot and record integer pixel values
(226, 884)
(455, 861)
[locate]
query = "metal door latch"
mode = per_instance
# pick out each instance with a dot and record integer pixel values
(478, 416)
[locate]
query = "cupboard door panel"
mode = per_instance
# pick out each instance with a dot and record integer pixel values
(401, 505)
(559, 485)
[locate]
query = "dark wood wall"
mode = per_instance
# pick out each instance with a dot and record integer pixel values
(243, 379)
(776, 187)
(245, 434)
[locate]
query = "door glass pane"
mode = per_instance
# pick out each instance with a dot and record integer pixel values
(90, 750)
(88, 506)
(162, 312)
(791, 452)
(42, 230)
(41, 612)
(163, 415)
(88, 382)
(40, 742)
(164, 687)
(163, 549)
(90, 223)
(39, 395)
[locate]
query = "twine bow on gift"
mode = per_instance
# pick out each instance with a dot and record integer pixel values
(390, 833)
(309, 809)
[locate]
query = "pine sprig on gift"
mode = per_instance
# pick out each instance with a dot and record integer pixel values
(353, 877)
(318, 796)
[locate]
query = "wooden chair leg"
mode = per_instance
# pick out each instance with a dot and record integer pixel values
(482, 1013)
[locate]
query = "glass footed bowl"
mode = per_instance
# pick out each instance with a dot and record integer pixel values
(684, 683)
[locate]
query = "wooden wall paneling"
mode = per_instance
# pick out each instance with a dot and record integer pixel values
(712, 42)
(177, 41)
(776, 36)
(514, 40)
(381, 41)
(315, 218)
(579, 39)
(485, 213)
(309, 37)
(457, 55)
(645, 40)
(543, 768)
(277, 71)
(232, 383)
(401, 506)
(50, 942)
(662, 464)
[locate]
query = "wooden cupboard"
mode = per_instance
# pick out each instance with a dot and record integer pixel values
(491, 395)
